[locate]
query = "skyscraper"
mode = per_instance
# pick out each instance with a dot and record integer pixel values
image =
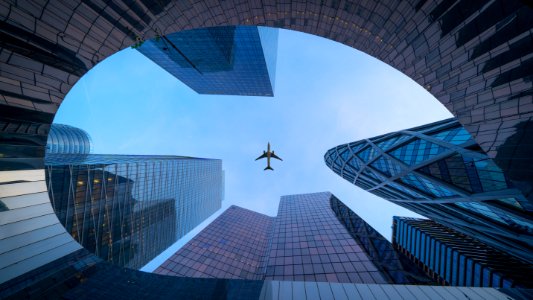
(452, 258)
(439, 171)
(127, 209)
(219, 60)
(473, 56)
(306, 241)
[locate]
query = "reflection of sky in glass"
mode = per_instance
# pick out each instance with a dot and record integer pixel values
(327, 94)
(219, 60)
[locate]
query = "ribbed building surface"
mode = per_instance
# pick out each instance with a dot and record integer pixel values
(452, 258)
(439, 171)
(67, 139)
(229, 60)
(127, 209)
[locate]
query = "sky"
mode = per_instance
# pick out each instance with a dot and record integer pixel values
(326, 94)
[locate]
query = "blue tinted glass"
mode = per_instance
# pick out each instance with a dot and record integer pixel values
(219, 60)
(387, 167)
(417, 151)
(455, 136)
(426, 186)
(390, 142)
(490, 175)
(367, 154)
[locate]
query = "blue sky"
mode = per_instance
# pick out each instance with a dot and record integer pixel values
(326, 94)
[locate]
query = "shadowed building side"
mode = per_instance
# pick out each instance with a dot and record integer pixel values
(452, 258)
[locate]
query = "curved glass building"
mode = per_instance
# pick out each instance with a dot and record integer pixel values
(67, 139)
(439, 171)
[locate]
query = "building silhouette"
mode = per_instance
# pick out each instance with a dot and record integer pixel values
(452, 258)
(472, 56)
(439, 171)
(229, 60)
(311, 239)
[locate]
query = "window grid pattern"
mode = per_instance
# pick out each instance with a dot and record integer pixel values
(367, 154)
(427, 186)
(128, 209)
(462, 175)
(233, 246)
(387, 167)
(219, 60)
(304, 242)
(456, 136)
(453, 258)
(310, 244)
(391, 142)
(379, 249)
(417, 151)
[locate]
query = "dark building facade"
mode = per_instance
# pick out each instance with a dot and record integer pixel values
(127, 209)
(234, 60)
(306, 241)
(452, 258)
(472, 56)
(231, 247)
(439, 171)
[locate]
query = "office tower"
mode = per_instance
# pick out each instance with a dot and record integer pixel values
(452, 258)
(472, 56)
(67, 139)
(231, 60)
(127, 209)
(439, 171)
(231, 247)
(306, 241)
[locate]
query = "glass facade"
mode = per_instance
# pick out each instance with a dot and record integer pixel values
(219, 60)
(439, 171)
(473, 56)
(391, 264)
(306, 241)
(310, 244)
(68, 139)
(452, 258)
(127, 209)
(232, 247)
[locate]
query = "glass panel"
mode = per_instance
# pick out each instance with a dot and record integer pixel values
(417, 151)
(387, 166)
(389, 143)
(426, 186)
(454, 136)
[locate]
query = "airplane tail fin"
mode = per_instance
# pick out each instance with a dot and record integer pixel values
(268, 168)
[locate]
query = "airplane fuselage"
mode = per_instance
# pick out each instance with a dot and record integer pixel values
(268, 155)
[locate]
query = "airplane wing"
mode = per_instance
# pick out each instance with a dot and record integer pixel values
(262, 156)
(275, 156)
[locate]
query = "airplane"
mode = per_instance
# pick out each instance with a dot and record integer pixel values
(268, 155)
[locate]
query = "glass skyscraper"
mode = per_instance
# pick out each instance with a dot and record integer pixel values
(452, 258)
(68, 139)
(219, 60)
(127, 209)
(309, 240)
(439, 171)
